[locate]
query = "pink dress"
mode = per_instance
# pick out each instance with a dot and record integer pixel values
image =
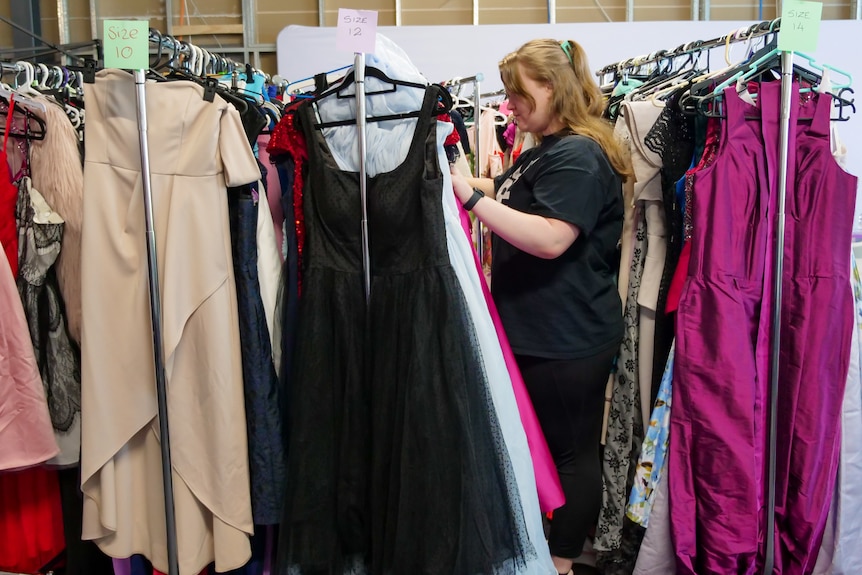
(547, 481)
(26, 434)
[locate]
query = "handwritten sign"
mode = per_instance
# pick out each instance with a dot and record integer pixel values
(800, 26)
(127, 44)
(357, 30)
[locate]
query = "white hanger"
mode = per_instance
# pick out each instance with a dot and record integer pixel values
(199, 62)
(207, 59)
(43, 81)
(22, 91)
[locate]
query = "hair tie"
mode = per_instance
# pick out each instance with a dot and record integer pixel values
(567, 48)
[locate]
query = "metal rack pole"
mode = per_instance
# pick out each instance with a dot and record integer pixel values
(359, 79)
(477, 113)
(783, 151)
(156, 316)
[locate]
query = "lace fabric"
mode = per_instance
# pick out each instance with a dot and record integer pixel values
(40, 234)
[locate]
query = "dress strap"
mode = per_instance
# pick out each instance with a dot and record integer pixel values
(822, 108)
(9, 120)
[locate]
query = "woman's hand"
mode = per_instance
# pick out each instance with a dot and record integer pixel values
(539, 236)
(463, 190)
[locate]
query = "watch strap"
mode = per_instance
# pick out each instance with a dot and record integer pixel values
(477, 195)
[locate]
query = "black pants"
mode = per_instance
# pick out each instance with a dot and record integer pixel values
(568, 396)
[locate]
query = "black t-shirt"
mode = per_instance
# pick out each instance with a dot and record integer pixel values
(567, 307)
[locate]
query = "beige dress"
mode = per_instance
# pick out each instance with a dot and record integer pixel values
(641, 116)
(196, 149)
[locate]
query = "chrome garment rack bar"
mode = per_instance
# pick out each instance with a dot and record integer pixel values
(361, 124)
(156, 316)
(477, 112)
(778, 262)
(11, 67)
(742, 35)
(494, 94)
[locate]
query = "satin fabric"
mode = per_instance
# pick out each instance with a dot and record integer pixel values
(816, 323)
(547, 480)
(718, 423)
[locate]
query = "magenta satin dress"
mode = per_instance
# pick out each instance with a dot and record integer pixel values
(717, 457)
(547, 481)
(716, 460)
(816, 321)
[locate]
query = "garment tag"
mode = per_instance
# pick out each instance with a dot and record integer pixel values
(800, 26)
(127, 44)
(357, 30)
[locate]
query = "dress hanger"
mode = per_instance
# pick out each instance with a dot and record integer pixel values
(29, 133)
(370, 71)
(443, 97)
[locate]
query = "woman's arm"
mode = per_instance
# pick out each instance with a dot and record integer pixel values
(484, 184)
(542, 237)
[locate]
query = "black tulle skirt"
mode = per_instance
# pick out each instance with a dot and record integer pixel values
(396, 460)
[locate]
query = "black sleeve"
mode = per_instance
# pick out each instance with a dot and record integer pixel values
(567, 187)
(498, 180)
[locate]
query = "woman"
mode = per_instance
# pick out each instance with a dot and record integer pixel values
(556, 223)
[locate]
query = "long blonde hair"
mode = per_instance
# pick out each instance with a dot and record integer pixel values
(577, 100)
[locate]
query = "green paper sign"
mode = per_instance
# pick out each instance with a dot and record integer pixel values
(800, 26)
(127, 44)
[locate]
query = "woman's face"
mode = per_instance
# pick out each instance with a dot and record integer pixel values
(538, 120)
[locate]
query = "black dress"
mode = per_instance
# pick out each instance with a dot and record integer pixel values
(396, 461)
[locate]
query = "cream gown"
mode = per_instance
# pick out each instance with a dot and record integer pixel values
(197, 148)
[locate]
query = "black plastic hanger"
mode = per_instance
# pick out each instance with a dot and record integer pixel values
(444, 99)
(372, 72)
(29, 133)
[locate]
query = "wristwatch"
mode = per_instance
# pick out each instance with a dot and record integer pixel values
(477, 195)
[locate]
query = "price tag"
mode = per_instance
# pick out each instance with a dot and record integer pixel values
(127, 44)
(357, 30)
(800, 26)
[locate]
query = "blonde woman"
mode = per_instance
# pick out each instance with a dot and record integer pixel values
(556, 221)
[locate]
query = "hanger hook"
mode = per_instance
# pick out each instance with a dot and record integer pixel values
(207, 59)
(199, 62)
(56, 77)
(175, 52)
(187, 55)
(160, 39)
(25, 69)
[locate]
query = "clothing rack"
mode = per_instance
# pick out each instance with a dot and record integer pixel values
(778, 262)
(698, 46)
(494, 94)
(746, 34)
(476, 81)
(198, 60)
(15, 68)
